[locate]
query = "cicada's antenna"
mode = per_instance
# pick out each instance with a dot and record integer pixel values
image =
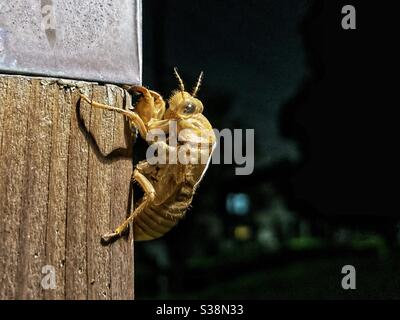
(198, 85)
(181, 84)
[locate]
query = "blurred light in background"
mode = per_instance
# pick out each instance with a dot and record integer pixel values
(242, 233)
(238, 204)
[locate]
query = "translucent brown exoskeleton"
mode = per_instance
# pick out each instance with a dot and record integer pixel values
(168, 186)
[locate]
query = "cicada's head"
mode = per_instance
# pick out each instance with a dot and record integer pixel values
(182, 104)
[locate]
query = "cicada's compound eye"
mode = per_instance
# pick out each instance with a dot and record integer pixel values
(189, 108)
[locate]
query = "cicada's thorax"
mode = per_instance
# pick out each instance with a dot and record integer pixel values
(176, 184)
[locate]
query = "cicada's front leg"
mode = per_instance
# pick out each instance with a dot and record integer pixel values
(151, 109)
(132, 116)
(150, 106)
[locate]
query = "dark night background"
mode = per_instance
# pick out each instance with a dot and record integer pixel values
(324, 190)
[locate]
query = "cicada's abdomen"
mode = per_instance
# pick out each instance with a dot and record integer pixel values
(157, 219)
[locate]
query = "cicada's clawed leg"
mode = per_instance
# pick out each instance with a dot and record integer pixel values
(149, 196)
(132, 116)
(150, 106)
(147, 94)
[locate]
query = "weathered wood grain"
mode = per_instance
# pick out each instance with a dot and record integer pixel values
(62, 185)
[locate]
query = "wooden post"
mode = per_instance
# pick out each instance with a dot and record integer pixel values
(61, 187)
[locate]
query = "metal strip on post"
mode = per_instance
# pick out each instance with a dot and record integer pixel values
(98, 40)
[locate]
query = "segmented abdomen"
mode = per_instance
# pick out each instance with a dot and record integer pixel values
(157, 219)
